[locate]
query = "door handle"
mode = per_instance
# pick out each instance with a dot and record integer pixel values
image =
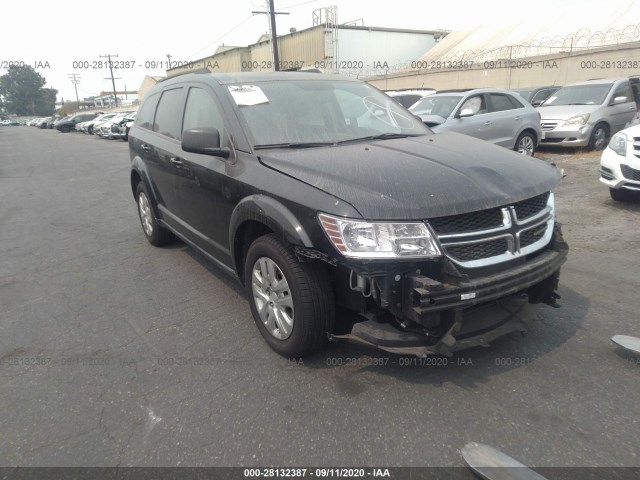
(487, 122)
(145, 147)
(517, 118)
(177, 162)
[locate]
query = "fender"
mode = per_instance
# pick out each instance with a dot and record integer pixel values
(139, 167)
(271, 213)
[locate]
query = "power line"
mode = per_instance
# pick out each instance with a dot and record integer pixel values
(222, 36)
(298, 4)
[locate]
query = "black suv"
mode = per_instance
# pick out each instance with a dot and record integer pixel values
(66, 126)
(342, 214)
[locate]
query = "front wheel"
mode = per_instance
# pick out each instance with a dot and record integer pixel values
(599, 137)
(526, 144)
(291, 302)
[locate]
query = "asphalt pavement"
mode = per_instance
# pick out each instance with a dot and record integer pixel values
(114, 352)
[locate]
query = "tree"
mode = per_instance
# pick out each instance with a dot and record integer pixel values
(21, 89)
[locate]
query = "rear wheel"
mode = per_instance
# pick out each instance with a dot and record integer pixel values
(526, 144)
(156, 235)
(292, 302)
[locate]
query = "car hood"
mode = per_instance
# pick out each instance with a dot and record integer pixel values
(565, 112)
(417, 177)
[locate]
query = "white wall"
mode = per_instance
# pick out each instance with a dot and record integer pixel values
(364, 53)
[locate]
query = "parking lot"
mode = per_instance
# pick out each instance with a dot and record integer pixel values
(113, 352)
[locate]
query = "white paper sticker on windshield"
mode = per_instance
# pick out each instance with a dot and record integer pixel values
(247, 95)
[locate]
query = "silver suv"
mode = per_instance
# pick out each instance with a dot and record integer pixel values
(498, 116)
(586, 114)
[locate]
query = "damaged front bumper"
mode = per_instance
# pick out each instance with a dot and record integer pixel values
(439, 313)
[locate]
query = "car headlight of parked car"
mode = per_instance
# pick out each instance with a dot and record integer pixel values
(577, 120)
(618, 143)
(362, 239)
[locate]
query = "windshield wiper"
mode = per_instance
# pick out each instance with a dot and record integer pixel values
(382, 136)
(293, 145)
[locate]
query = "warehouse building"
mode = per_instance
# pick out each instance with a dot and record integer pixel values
(354, 50)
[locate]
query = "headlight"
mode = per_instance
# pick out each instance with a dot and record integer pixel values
(361, 239)
(577, 120)
(618, 143)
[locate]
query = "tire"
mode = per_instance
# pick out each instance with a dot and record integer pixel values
(599, 137)
(618, 194)
(525, 144)
(65, 129)
(156, 235)
(90, 130)
(297, 316)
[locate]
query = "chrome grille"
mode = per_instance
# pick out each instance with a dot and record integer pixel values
(636, 146)
(474, 251)
(530, 207)
(549, 125)
(468, 222)
(531, 236)
(630, 173)
(496, 235)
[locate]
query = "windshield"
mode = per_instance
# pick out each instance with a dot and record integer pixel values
(318, 112)
(580, 95)
(526, 94)
(441, 105)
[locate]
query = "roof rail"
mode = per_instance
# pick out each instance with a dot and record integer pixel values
(196, 70)
(454, 90)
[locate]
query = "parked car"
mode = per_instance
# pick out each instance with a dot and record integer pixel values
(620, 164)
(105, 128)
(89, 125)
(409, 96)
(586, 114)
(536, 95)
(44, 122)
(61, 119)
(120, 128)
(318, 191)
(70, 124)
(497, 116)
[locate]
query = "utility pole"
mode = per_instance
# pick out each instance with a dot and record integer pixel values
(113, 80)
(75, 79)
(274, 37)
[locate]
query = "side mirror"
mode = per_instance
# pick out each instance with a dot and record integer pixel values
(619, 100)
(466, 112)
(205, 141)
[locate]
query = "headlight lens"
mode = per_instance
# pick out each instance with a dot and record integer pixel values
(618, 143)
(361, 239)
(577, 120)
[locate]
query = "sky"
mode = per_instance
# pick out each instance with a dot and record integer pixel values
(63, 38)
